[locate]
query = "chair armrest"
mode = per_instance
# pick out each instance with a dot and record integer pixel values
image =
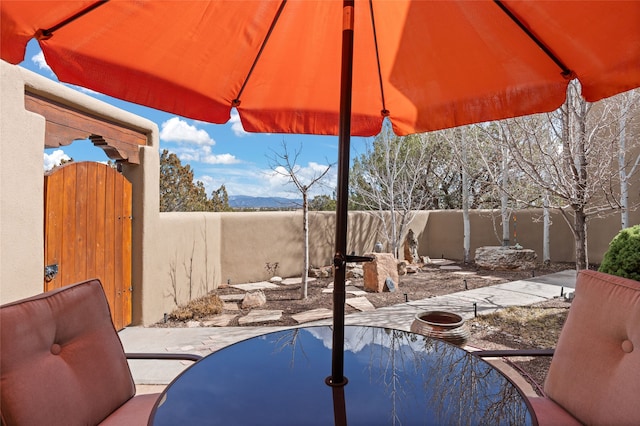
(514, 352)
(174, 356)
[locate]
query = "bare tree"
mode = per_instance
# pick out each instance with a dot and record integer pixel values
(393, 178)
(626, 106)
(286, 165)
(572, 155)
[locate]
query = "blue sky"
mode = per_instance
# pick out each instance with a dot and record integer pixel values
(218, 154)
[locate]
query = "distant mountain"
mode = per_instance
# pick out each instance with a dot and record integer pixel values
(248, 202)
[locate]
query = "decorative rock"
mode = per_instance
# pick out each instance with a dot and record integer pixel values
(275, 280)
(254, 300)
(324, 272)
(411, 248)
(378, 247)
(402, 267)
(505, 258)
(390, 285)
(426, 260)
(412, 269)
(355, 272)
(376, 272)
(193, 324)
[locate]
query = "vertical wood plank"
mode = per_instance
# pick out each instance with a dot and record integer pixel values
(100, 234)
(67, 262)
(126, 251)
(90, 215)
(54, 185)
(81, 248)
(109, 247)
(118, 251)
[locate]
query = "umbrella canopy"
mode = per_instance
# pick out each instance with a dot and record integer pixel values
(335, 67)
(426, 65)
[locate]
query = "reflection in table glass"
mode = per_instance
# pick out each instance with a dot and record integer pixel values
(394, 377)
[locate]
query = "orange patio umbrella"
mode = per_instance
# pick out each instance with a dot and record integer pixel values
(335, 67)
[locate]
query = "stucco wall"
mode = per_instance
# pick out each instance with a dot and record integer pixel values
(21, 191)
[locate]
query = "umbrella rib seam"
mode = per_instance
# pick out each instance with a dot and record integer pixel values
(47, 33)
(566, 71)
(384, 111)
(236, 101)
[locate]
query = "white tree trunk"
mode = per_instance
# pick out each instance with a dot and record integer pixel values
(504, 198)
(546, 256)
(465, 200)
(624, 187)
(305, 229)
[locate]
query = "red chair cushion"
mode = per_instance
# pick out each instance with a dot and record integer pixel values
(595, 372)
(61, 360)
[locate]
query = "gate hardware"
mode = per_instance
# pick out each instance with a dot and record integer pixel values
(50, 271)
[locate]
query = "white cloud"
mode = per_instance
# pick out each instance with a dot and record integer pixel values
(39, 60)
(203, 154)
(54, 159)
(236, 124)
(177, 130)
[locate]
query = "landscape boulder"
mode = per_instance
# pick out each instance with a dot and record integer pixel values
(505, 258)
(254, 299)
(377, 271)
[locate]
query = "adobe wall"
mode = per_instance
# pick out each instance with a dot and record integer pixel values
(21, 191)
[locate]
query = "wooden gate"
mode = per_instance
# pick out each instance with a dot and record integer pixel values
(87, 231)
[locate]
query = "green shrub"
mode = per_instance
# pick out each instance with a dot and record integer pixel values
(623, 256)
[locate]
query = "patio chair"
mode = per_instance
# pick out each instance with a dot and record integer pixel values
(594, 377)
(62, 362)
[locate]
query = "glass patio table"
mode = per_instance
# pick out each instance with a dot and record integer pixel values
(394, 377)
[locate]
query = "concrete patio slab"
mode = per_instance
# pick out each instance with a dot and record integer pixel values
(232, 297)
(261, 285)
(221, 320)
(490, 277)
(258, 315)
(312, 315)
(230, 306)
(533, 288)
(356, 291)
(295, 281)
(361, 304)
(441, 262)
(564, 278)
(451, 267)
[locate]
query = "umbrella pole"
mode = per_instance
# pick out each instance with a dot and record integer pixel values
(344, 141)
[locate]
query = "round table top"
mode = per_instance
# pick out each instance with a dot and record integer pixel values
(394, 377)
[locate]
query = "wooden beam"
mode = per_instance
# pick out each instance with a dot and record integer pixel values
(66, 124)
